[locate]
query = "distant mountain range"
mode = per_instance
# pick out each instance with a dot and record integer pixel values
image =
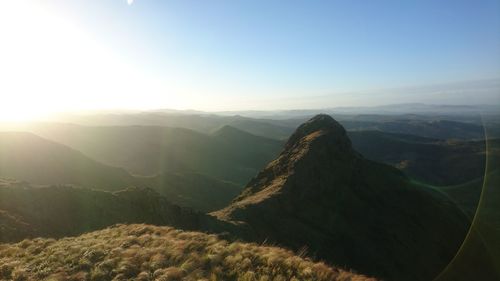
(434, 121)
(206, 171)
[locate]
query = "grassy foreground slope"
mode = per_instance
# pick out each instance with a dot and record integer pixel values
(144, 252)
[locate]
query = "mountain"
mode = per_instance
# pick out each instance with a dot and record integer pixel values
(440, 129)
(25, 156)
(150, 150)
(428, 160)
(193, 190)
(246, 148)
(202, 122)
(145, 252)
(441, 121)
(322, 194)
(57, 211)
(279, 130)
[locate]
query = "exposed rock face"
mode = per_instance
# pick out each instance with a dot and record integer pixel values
(350, 211)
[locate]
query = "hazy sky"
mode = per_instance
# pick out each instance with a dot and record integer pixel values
(58, 55)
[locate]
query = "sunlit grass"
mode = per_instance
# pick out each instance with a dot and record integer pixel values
(143, 252)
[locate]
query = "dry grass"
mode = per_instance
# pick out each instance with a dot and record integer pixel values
(144, 252)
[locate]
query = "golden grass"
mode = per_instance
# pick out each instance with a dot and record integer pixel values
(144, 252)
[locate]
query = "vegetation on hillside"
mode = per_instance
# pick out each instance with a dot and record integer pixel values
(152, 150)
(349, 210)
(431, 161)
(193, 190)
(57, 211)
(28, 157)
(143, 252)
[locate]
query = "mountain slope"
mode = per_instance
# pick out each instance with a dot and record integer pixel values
(143, 252)
(57, 211)
(193, 190)
(25, 156)
(150, 150)
(322, 194)
(431, 161)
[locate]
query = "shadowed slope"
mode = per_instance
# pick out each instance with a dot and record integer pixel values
(367, 216)
(28, 157)
(57, 211)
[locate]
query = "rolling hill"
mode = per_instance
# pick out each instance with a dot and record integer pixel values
(58, 211)
(227, 154)
(280, 125)
(25, 156)
(193, 190)
(428, 160)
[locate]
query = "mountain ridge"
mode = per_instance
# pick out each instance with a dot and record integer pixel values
(322, 194)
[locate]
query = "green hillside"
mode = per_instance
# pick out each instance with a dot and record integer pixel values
(25, 156)
(148, 150)
(194, 190)
(57, 211)
(431, 161)
(30, 158)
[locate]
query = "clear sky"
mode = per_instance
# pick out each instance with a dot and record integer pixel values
(58, 55)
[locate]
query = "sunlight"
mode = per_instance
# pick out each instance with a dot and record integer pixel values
(49, 64)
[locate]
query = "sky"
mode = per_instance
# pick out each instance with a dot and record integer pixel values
(59, 55)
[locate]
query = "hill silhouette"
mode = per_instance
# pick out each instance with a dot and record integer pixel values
(368, 216)
(230, 155)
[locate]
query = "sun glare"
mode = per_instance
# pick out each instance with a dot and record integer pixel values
(50, 64)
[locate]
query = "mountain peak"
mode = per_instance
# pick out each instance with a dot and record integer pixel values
(320, 122)
(320, 126)
(321, 193)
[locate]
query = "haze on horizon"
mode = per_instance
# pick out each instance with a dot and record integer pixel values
(234, 55)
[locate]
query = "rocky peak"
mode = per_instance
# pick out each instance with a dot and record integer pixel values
(320, 126)
(322, 194)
